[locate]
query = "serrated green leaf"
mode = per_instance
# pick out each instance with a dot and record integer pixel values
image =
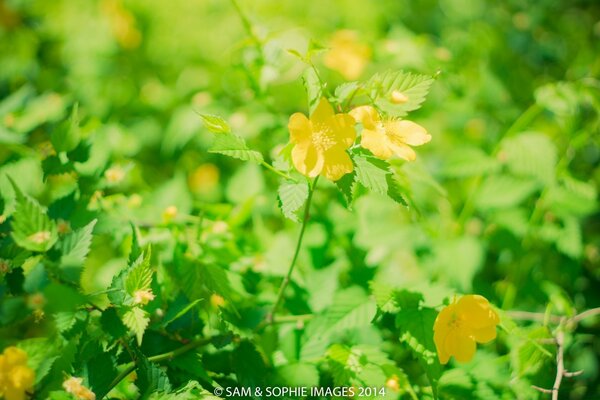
(314, 90)
(139, 276)
(291, 198)
(395, 190)
(347, 185)
(151, 378)
(66, 136)
(215, 124)
(74, 248)
(234, 146)
(137, 321)
(64, 321)
(249, 366)
(31, 227)
(415, 87)
(136, 249)
(384, 297)
(345, 90)
(372, 173)
(351, 309)
(199, 280)
(416, 330)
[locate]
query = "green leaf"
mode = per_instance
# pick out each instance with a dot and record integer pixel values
(74, 248)
(199, 280)
(347, 185)
(503, 191)
(291, 198)
(66, 137)
(314, 90)
(469, 161)
(372, 173)
(530, 155)
(139, 276)
(345, 90)
(215, 123)
(151, 378)
(384, 297)
(31, 227)
(572, 197)
(99, 370)
(416, 330)
(350, 310)
(137, 321)
(183, 311)
(395, 190)
(415, 87)
(136, 249)
(234, 146)
(249, 366)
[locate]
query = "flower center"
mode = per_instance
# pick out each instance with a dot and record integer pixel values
(322, 138)
(456, 321)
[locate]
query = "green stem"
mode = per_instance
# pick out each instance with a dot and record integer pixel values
(288, 276)
(276, 171)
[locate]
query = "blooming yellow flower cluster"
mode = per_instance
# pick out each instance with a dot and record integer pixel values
(320, 142)
(461, 324)
(16, 378)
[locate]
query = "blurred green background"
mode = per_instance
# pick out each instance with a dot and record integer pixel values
(503, 200)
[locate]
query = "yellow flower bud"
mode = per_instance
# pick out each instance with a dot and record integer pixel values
(143, 297)
(398, 97)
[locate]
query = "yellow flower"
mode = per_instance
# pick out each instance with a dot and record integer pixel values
(461, 324)
(347, 56)
(385, 138)
(16, 378)
(321, 142)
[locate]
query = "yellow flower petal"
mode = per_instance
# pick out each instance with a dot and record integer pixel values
(322, 113)
(367, 116)
(343, 129)
(337, 163)
(460, 346)
(376, 142)
(407, 132)
(478, 311)
(307, 159)
(300, 129)
(403, 151)
(485, 335)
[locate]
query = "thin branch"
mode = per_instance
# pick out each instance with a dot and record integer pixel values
(278, 172)
(568, 374)
(560, 366)
(556, 319)
(288, 276)
(585, 314)
(541, 389)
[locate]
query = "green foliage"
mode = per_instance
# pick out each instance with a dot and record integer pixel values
(414, 86)
(145, 250)
(292, 197)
